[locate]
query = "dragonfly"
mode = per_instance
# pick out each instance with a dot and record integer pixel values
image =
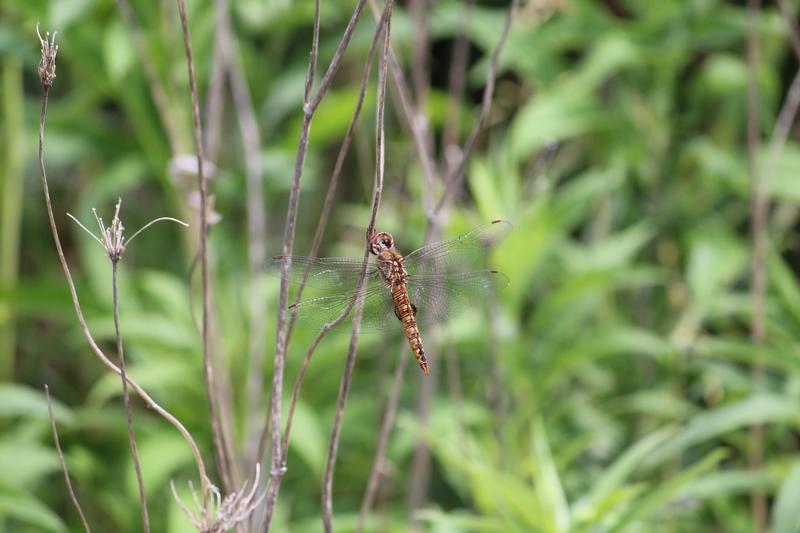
(426, 286)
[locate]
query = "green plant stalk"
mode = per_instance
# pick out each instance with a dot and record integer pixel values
(11, 206)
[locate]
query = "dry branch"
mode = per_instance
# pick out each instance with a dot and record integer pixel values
(310, 105)
(223, 455)
(64, 469)
(758, 500)
(47, 74)
(344, 386)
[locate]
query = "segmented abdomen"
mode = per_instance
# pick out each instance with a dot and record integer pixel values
(405, 312)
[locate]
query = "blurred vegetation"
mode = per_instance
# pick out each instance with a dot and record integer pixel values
(610, 388)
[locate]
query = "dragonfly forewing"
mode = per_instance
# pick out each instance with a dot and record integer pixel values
(330, 273)
(466, 252)
(440, 297)
(443, 278)
(378, 310)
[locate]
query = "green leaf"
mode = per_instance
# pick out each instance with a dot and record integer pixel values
(19, 400)
(29, 510)
(645, 507)
(757, 409)
(161, 456)
(612, 479)
(24, 463)
(555, 116)
(307, 438)
(548, 485)
(119, 51)
(786, 511)
(785, 285)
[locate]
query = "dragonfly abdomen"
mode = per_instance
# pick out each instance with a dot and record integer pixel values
(405, 312)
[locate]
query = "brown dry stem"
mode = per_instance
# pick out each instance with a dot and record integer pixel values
(63, 461)
(344, 386)
(223, 455)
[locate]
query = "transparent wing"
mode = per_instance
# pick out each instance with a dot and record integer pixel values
(463, 253)
(439, 297)
(378, 314)
(330, 273)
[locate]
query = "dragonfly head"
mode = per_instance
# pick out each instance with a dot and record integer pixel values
(380, 241)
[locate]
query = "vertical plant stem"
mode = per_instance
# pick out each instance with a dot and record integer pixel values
(219, 66)
(127, 399)
(276, 467)
(758, 500)
(378, 463)
(344, 386)
(418, 128)
(63, 461)
(222, 455)
(256, 237)
(310, 105)
(330, 195)
(421, 460)
(11, 185)
(456, 80)
(455, 177)
(157, 91)
(198, 458)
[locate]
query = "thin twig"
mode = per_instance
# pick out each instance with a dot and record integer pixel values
(420, 475)
(383, 439)
(222, 454)
(47, 80)
(456, 175)
(330, 194)
(761, 184)
(344, 386)
(64, 462)
(159, 219)
(760, 208)
(310, 105)
(791, 24)
(256, 237)
(456, 82)
(281, 338)
(418, 126)
(127, 399)
(157, 91)
(215, 102)
(420, 67)
(326, 208)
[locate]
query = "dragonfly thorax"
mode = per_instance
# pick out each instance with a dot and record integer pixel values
(390, 266)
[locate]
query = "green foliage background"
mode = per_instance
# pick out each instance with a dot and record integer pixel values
(612, 389)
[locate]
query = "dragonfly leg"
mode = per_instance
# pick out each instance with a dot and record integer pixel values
(414, 309)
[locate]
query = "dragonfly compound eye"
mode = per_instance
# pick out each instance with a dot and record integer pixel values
(380, 241)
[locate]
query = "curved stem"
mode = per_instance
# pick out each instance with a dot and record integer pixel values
(222, 453)
(201, 469)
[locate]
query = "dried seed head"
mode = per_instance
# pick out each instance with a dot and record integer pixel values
(226, 513)
(47, 65)
(112, 238)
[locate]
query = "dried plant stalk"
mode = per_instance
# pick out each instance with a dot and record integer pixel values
(344, 386)
(758, 500)
(127, 401)
(310, 105)
(455, 177)
(383, 439)
(47, 75)
(223, 455)
(327, 205)
(63, 461)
